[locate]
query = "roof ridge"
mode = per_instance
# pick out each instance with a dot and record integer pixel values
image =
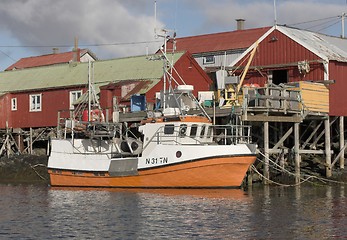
(226, 32)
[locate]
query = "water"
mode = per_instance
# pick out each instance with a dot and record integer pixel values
(306, 212)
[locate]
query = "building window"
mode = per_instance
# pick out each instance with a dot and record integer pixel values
(209, 59)
(14, 104)
(35, 102)
(74, 95)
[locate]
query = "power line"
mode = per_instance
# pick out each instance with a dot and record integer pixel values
(336, 22)
(14, 60)
(316, 20)
(81, 45)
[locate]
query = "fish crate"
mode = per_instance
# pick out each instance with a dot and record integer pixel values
(314, 97)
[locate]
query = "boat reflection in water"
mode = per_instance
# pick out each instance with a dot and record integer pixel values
(235, 194)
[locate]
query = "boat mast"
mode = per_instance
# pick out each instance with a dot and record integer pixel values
(89, 90)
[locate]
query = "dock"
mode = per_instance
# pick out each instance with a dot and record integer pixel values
(290, 123)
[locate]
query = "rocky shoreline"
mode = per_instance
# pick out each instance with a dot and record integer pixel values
(20, 169)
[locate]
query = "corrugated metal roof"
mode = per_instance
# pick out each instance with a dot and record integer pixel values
(239, 39)
(45, 60)
(131, 68)
(327, 47)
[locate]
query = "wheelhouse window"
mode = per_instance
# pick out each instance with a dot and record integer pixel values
(169, 129)
(35, 102)
(209, 131)
(183, 130)
(193, 130)
(14, 104)
(74, 95)
(202, 132)
(209, 59)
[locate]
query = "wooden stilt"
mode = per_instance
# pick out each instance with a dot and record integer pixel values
(282, 155)
(327, 148)
(342, 142)
(266, 152)
(296, 152)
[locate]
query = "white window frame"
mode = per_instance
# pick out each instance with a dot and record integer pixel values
(35, 102)
(210, 59)
(13, 104)
(73, 96)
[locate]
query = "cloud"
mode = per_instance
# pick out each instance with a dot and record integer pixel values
(49, 22)
(221, 17)
(58, 22)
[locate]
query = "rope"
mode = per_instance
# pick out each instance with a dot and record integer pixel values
(324, 180)
(38, 165)
(277, 183)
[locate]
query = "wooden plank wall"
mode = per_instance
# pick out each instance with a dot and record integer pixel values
(315, 96)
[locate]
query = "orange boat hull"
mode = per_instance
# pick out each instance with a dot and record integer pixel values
(208, 173)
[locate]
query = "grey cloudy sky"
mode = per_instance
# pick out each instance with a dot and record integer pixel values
(34, 27)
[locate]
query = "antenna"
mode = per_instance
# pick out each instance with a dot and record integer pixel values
(343, 25)
(155, 20)
(275, 13)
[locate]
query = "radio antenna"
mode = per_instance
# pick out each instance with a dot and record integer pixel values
(155, 20)
(275, 13)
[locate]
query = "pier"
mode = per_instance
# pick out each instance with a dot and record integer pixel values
(290, 123)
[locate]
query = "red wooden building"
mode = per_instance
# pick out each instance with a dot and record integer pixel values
(283, 55)
(80, 55)
(32, 97)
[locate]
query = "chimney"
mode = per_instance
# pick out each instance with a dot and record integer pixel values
(240, 24)
(76, 52)
(55, 50)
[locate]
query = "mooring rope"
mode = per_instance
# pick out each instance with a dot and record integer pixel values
(281, 168)
(38, 165)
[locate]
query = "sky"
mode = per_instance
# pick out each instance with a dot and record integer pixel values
(121, 28)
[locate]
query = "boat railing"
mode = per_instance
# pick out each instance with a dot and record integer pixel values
(89, 129)
(211, 134)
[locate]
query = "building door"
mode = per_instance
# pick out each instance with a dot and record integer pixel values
(279, 76)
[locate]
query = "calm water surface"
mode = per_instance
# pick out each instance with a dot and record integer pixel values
(306, 212)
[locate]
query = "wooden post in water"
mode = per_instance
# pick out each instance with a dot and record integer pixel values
(296, 152)
(281, 155)
(266, 152)
(328, 172)
(342, 142)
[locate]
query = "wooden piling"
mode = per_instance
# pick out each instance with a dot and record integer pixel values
(266, 152)
(342, 142)
(328, 172)
(296, 152)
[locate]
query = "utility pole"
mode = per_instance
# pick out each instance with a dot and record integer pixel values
(343, 25)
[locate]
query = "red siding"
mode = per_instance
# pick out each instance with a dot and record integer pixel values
(58, 99)
(338, 90)
(52, 102)
(5, 109)
(281, 52)
(190, 72)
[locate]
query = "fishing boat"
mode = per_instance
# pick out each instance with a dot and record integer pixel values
(170, 148)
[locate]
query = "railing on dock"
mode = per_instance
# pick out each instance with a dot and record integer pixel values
(291, 98)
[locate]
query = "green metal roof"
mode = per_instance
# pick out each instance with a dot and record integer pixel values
(74, 74)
